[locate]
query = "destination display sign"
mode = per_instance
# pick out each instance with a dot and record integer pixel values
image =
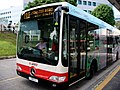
(40, 12)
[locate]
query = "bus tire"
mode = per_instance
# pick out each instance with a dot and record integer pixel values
(117, 56)
(93, 69)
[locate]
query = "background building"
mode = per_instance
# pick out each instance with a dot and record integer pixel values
(10, 15)
(90, 5)
(3, 24)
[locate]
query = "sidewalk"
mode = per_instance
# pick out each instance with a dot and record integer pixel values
(112, 82)
(6, 57)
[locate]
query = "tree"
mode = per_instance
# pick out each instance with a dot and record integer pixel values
(105, 13)
(42, 2)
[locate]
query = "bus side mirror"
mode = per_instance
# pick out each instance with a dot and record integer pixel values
(65, 8)
(26, 39)
(57, 14)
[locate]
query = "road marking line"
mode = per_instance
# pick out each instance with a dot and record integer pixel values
(9, 79)
(109, 77)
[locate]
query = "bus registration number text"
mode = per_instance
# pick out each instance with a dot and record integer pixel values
(33, 79)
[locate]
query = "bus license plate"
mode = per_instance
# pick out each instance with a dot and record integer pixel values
(33, 79)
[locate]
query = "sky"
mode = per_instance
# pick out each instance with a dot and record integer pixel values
(8, 3)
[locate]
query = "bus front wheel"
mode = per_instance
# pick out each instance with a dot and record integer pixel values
(117, 56)
(93, 69)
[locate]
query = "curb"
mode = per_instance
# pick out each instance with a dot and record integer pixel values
(6, 57)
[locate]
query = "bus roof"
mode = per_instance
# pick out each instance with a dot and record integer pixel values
(46, 5)
(88, 17)
(75, 11)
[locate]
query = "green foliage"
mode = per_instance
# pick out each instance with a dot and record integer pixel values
(105, 13)
(73, 2)
(7, 48)
(7, 44)
(42, 2)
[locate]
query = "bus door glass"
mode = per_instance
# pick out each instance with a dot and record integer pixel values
(82, 47)
(77, 47)
(73, 47)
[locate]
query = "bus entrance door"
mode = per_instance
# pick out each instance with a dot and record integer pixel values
(73, 62)
(73, 55)
(76, 55)
(82, 57)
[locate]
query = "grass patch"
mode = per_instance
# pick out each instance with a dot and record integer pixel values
(7, 44)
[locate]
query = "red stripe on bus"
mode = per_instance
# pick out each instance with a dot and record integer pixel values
(42, 73)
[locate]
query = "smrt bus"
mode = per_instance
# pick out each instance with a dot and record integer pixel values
(76, 44)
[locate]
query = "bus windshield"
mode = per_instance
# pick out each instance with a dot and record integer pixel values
(38, 41)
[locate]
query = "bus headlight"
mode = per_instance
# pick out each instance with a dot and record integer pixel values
(19, 68)
(57, 78)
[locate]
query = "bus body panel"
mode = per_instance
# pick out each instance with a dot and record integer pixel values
(101, 50)
(43, 66)
(42, 71)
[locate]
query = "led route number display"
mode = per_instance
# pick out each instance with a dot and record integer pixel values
(40, 12)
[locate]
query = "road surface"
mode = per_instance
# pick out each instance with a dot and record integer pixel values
(9, 80)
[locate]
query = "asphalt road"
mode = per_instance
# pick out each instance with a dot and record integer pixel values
(9, 80)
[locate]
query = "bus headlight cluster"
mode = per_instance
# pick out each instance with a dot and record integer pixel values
(19, 68)
(57, 79)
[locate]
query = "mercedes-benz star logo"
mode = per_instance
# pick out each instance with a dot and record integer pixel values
(32, 72)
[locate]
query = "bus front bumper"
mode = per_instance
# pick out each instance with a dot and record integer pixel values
(40, 80)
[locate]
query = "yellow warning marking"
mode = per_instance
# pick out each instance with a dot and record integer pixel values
(102, 85)
(9, 79)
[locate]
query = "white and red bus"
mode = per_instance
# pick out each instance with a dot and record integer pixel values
(77, 44)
